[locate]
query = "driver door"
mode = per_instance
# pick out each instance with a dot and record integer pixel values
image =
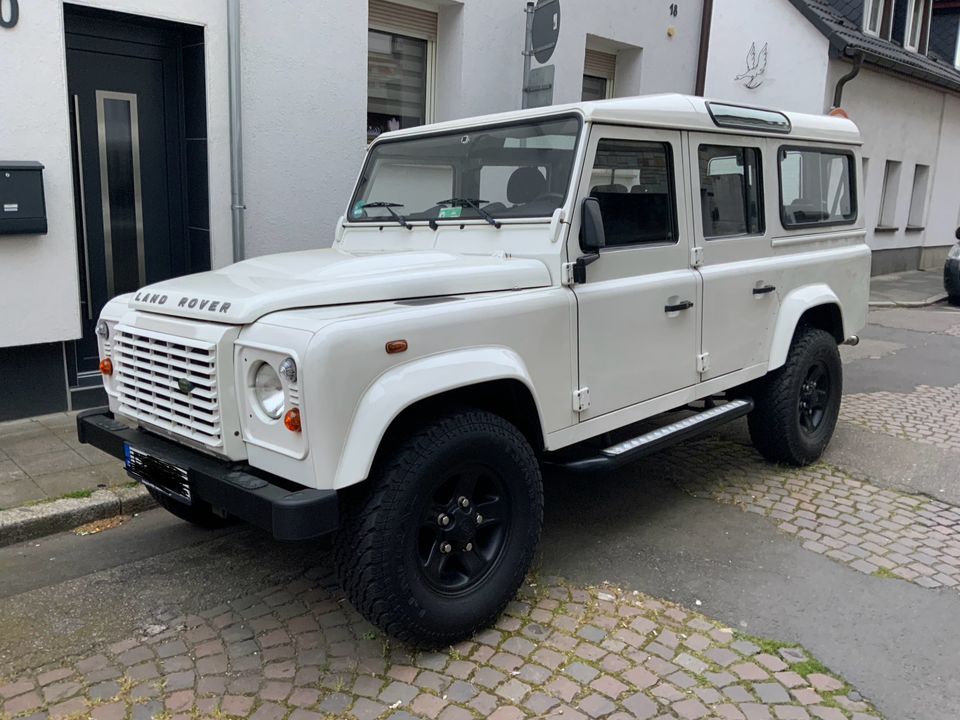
(639, 309)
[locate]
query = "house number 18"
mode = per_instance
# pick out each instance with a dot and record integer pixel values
(9, 18)
(674, 9)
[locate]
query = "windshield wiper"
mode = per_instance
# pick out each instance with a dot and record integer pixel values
(475, 204)
(389, 207)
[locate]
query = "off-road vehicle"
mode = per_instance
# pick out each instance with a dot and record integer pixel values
(502, 294)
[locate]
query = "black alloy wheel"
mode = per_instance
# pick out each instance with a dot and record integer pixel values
(814, 397)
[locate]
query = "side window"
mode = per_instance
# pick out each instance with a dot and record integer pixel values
(633, 181)
(816, 187)
(730, 197)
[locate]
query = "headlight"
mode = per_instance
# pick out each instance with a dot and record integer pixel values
(268, 391)
(954, 252)
(103, 330)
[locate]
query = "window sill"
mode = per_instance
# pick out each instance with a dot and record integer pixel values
(914, 228)
(886, 229)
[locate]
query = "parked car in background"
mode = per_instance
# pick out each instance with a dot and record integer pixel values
(951, 273)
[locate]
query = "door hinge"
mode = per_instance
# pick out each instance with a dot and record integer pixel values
(566, 277)
(703, 362)
(581, 399)
(696, 257)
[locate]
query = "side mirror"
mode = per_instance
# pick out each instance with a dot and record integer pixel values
(592, 238)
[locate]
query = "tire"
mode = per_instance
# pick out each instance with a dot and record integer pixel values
(390, 555)
(200, 513)
(792, 423)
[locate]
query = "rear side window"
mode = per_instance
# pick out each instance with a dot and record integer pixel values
(816, 187)
(633, 182)
(730, 197)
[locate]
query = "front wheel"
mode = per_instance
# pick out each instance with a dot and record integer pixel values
(445, 533)
(797, 405)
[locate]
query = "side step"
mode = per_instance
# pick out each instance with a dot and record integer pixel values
(635, 448)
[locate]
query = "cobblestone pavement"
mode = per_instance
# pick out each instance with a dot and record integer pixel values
(300, 652)
(927, 415)
(831, 512)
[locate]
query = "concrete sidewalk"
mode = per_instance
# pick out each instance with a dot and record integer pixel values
(914, 288)
(41, 459)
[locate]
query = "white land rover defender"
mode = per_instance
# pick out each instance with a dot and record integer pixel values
(503, 293)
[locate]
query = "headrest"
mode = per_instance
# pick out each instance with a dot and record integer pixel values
(525, 184)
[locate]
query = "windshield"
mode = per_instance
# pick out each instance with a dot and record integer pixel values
(507, 171)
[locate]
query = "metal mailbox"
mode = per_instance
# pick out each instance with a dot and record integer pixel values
(22, 207)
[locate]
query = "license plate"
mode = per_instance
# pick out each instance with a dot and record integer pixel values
(160, 475)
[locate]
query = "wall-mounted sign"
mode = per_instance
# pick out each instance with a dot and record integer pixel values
(9, 13)
(546, 29)
(753, 76)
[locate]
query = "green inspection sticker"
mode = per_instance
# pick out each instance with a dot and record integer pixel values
(358, 209)
(450, 212)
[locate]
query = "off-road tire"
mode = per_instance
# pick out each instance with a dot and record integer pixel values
(775, 425)
(199, 514)
(376, 549)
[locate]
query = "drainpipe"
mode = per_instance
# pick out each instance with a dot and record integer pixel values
(704, 53)
(236, 131)
(838, 91)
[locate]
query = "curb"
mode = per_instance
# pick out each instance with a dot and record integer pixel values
(33, 521)
(932, 300)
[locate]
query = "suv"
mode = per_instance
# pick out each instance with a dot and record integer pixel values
(503, 293)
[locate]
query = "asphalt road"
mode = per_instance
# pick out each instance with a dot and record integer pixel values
(899, 644)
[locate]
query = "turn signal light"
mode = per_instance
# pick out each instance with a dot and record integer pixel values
(840, 113)
(292, 420)
(106, 366)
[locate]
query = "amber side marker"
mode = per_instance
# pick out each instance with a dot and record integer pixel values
(292, 420)
(840, 113)
(106, 366)
(396, 346)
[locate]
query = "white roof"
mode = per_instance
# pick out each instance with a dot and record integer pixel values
(674, 111)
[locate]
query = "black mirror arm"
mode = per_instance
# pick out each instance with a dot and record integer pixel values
(580, 266)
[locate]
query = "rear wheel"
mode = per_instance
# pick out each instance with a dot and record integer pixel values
(445, 533)
(797, 405)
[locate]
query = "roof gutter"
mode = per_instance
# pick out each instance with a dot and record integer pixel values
(236, 129)
(705, 21)
(842, 82)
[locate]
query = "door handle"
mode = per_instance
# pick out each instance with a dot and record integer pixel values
(82, 200)
(684, 305)
(766, 289)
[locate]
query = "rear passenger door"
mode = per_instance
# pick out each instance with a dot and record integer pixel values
(741, 275)
(638, 309)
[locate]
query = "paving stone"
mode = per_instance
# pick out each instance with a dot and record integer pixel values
(597, 706)
(581, 673)
(641, 706)
(771, 693)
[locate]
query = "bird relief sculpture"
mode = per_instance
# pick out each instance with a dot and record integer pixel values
(753, 77)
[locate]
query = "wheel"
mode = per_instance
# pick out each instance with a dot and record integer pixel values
(796, 406)
(439, 542)
(200, 513)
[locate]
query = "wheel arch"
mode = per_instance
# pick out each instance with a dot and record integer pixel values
(493, 379)
(813, 306)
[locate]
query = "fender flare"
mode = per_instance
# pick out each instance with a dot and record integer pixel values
(792, 308)
(400, 387)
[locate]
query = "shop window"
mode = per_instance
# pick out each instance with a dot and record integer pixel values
(730, 198)
(816, 187)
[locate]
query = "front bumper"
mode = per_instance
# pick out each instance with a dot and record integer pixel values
(287, 511)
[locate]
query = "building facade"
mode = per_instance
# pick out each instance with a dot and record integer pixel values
(155, 164)
(895, 63)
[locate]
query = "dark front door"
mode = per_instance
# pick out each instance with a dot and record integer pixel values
(126, 110)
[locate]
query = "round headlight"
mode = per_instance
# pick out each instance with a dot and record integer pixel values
(268, 391)
(103, 330)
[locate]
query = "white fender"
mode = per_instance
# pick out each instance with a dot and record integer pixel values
(793, 306)
(402, 386)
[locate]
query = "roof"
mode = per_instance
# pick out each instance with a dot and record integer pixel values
(668, 111)
(846, 36)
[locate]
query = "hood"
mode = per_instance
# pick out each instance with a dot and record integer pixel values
(248, 290)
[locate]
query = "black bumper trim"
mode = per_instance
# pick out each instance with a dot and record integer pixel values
(286, 514)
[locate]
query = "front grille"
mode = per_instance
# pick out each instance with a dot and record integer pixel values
(168, 382)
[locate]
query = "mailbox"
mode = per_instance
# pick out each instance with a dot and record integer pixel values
(22, 208)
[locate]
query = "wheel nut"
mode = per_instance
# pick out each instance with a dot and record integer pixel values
(468, 547)
(445, 547)
(479, 518)
(444, 520)
(464, 503)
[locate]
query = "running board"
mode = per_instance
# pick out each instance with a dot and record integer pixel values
(629, 450)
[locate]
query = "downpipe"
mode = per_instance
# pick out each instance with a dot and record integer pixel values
(237, 205)
(842, 82)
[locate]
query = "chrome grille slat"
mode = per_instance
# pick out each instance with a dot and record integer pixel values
(148, 369)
